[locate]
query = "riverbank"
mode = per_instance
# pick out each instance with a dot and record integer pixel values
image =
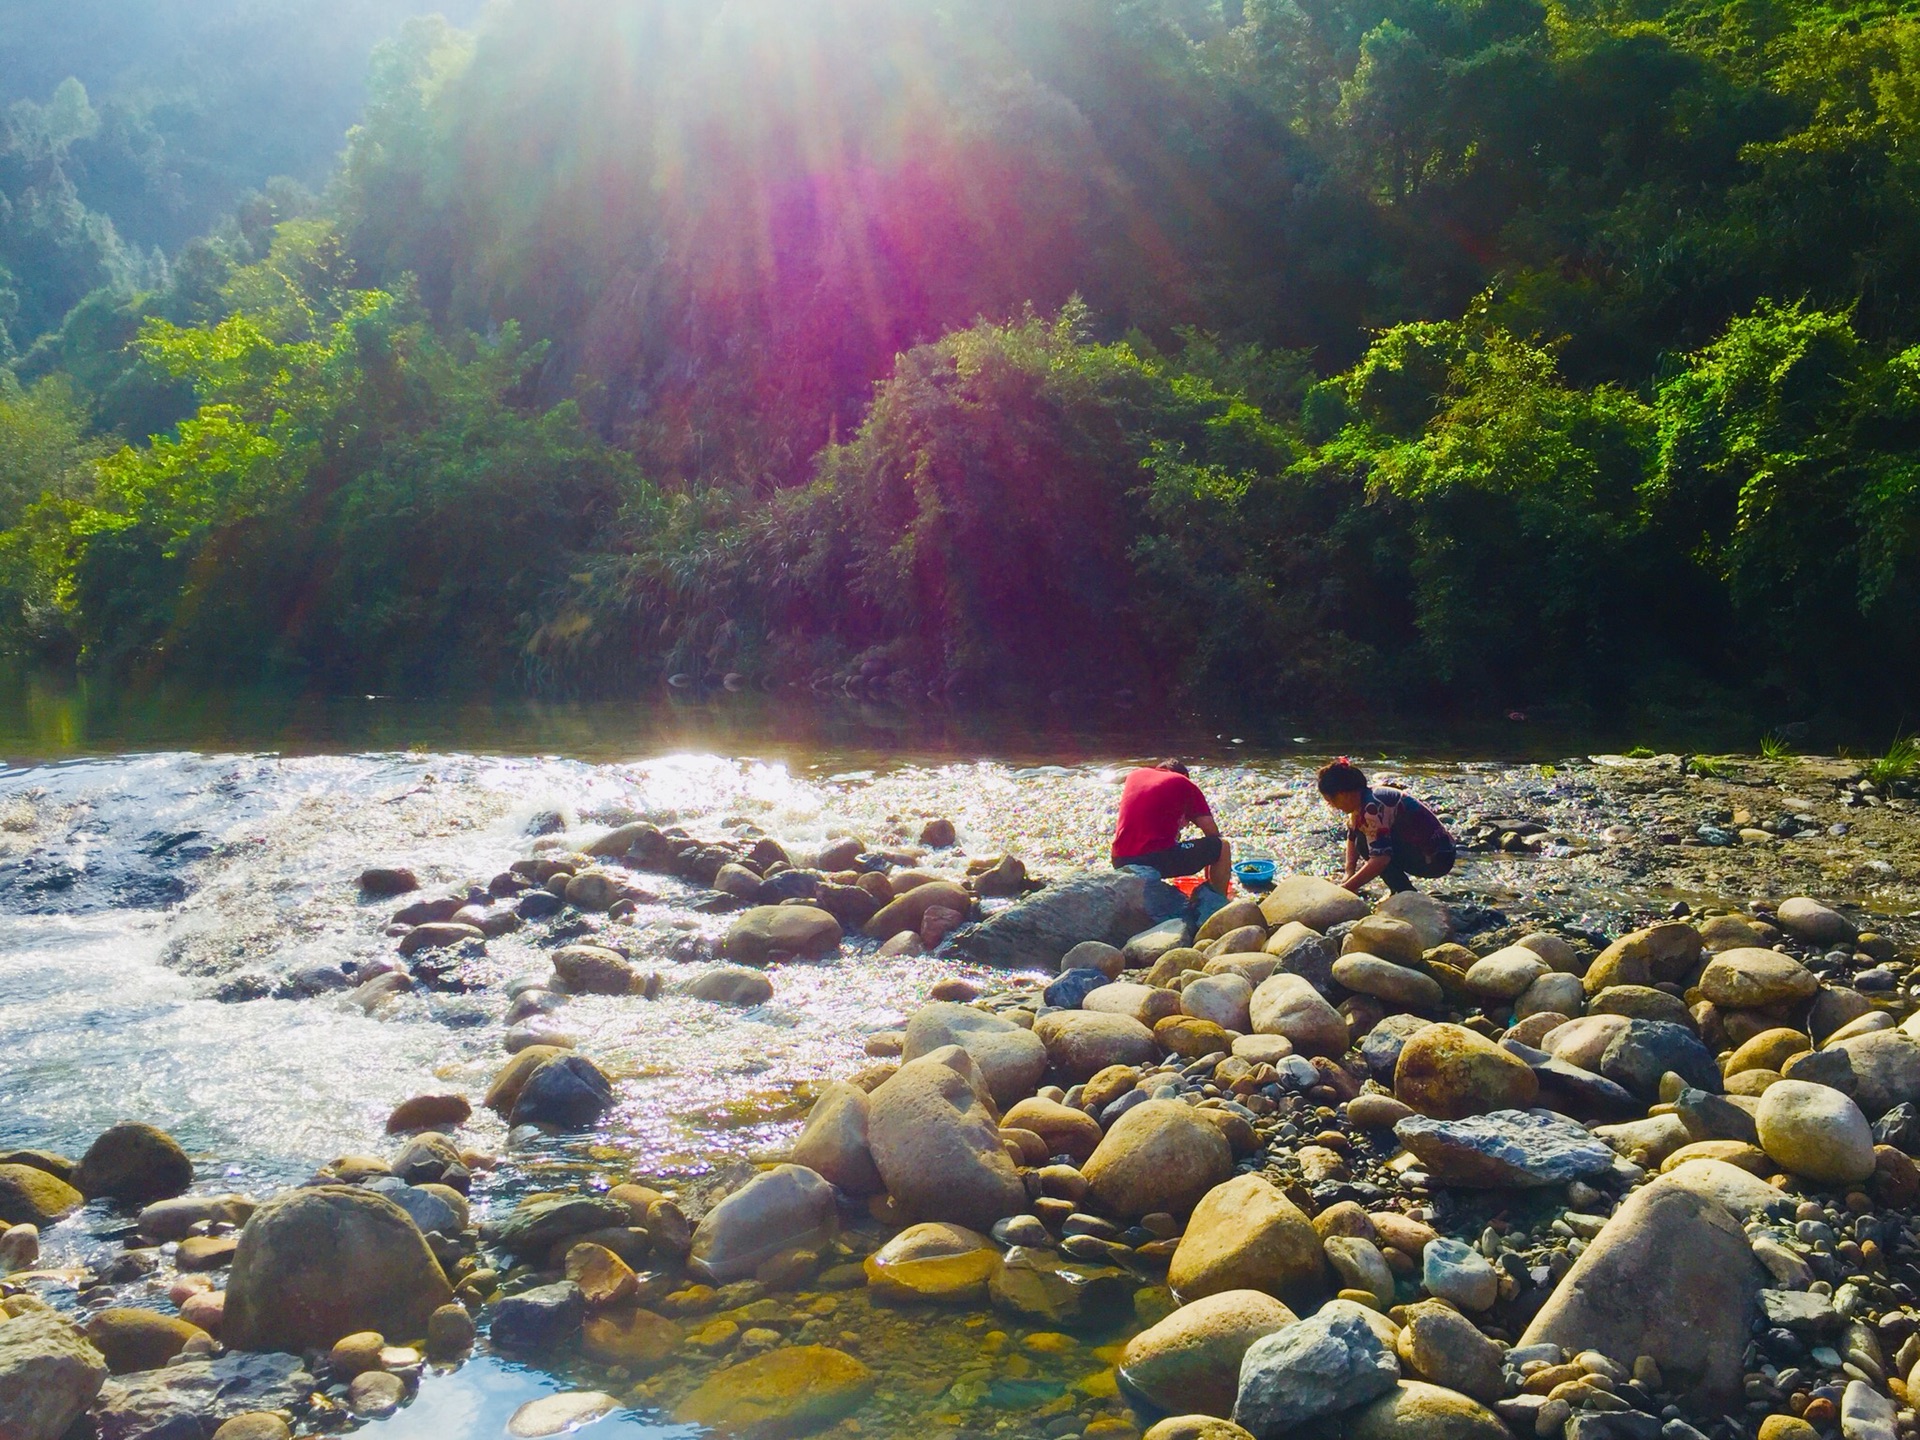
(1584, 851)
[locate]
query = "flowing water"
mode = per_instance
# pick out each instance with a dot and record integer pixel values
(144, 897)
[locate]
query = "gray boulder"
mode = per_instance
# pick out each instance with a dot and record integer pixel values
(1517, 1148)
(1112, 905)
(1329, 1362)
(193, 1397)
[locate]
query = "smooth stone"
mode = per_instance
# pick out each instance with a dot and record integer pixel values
(1815, 1132)
(1809, 920)
(1036, 932)
(567, 1093)
(1329, 1362)
(1144, 1003)
(949, 1264)
(1448, 1072)
(731, 985)
(1556, 950)
(1516, 1148)
(1158, 1157)
(1714, 1117)
(1360, 1266)
(1196, 1427)
(1886, 1069)
(1385, 980)
(31, 1196)
(536, 1321)
(1246, 1235)
(1073, 985)
(1225, 1000)
(315, 1264)
(1143, 950)
(133, 1339)
(1454, 1271)
(1750, 979)
(1506, 974)
(1056, 1288)
(1583, 1040)
(1191, 1039)
(1234, 915)
(1190, 1361)
(450, 1333)
(1440, 1344)
(1637, 1056)
(1380, 1047)
(1866, 1414)
(639, 1340)
(1377, 1112)
(557, 1414)
(1287, 1005)
(512, 1077)
(785, 1208)
(1102, 958)
(937, 1147)
(1316, 903)
(1080, 1043)
(1011, 1057)
(135, 1165)
(803, 931)
(834, 1143)
(1768, 1050)
(788, 1391)
(1415, 1410)
(259, 1425)
(1296, 950)
(1429, 917)
(1642, 1002)
(540, 1222)
(1551, 994)
(1671, 1276)
(1388, 938)
(429, 1112)
(1667, 951)
(593, 970)
(1067, 1131)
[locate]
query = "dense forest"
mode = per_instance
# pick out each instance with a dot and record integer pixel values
(1272, 356)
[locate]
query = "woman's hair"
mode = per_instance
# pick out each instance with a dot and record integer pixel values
(1178, 767)
(1338, 777)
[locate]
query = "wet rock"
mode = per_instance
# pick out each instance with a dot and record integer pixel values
(504, 1093)
(1011, 1057)
(567, 1093)
(1158, 1157)
(134, 1164)
(1815, 1132)
(1074, 985)
(911, 909)
(189, 1397)
(937, 1147)
(375, 1395)
(1196, 1427)
(1415, 1410)
(166, 1220)
(1811, 921)
(1556, 950)
(1750, 979)
(1502, 1148)
(789, 1391)
(133, 1339)
(1067, 1131)
(1289, 1006)
(49, 1375)
(438, 935)
(1440, 1344)
(1448, 1072)
(1318, 904)
(1058, 1289)
(450, 1333)
(731, 985)
(604, 1279)
(784, 1208)
(379, 882)
(593, 970)
(1191, 1360)
(639, 1340)
(1246, 1235)
(320, 1263)
(1080, 1043)
(558, 1414)
(259, 1425)
(1670, 1276)
(834, 1143)
(539, 1320)
(948, 1264)
(803, 931)
(1456, 1272)
(30, 1196)
(429, 1112)
(1109, 906)
(1320, 1366)
(19, 1248)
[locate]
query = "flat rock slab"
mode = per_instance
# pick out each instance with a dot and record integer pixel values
(1111, 906)
(1505, 1148)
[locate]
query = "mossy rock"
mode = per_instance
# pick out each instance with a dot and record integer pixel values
(784, 1392)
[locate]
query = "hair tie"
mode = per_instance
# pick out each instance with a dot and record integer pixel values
(1342, 760)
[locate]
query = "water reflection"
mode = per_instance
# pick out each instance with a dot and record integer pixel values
(476, 1402)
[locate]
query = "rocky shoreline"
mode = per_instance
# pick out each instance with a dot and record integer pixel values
(1433, 1169)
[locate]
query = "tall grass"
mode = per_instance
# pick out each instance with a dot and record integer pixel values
(1899, 763)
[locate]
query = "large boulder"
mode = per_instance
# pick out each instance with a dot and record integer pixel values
(316, 1264)
(1506, 1148)
(908, 912)
(936, 1146)
(568, 1092)
(1671, 1275)
(1427, 915)
(834, 1143)
(1387, 938)
(1113, 906)
(1329, 1362)
(1011, 1057)
(786, 1208)
(1315, 903)
(1289, 1005)
(134, 1164)
(1158, 1157)
(1667, 951)
(1081, 1043)
(1415, 1410)
(804, 932)
(1886, 1069)
(1246, 1235)
(49, 1375)
(1449, 1073)
(593, 970)
(31, 1196)
(1751, 978)
(1190, 1361)
(1811, 921)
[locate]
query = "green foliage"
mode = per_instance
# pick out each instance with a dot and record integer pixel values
(1774, 746)
(1900, 762)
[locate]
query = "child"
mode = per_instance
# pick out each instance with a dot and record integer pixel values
(1400, 836)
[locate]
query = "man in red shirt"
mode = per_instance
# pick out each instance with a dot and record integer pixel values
(1156, 805)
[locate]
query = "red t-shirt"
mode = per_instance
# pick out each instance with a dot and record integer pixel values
(1154, 807)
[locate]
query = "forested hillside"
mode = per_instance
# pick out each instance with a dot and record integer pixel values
(1283, 355)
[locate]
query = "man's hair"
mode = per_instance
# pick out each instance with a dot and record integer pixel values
(1337, 777)
(1178, 767)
